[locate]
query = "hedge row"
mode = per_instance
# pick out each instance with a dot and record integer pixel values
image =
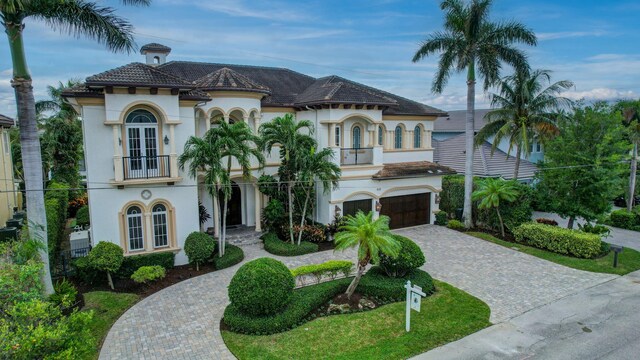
(377, 284)
(276, 246)
(56, 204)
(232, 255)
(626, 219)
(133, 263)
(326, 268)
(559, 240)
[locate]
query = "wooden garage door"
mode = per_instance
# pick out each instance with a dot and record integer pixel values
(407, 210)
(352, 207)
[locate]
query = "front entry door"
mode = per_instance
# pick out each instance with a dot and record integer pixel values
(143, 151)
(234, 206)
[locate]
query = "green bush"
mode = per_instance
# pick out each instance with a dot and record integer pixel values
(601, 230)
(37, 329)
(133, 263)
(106, 256)
(232, 255)
(328, 269)
(376, 283)
(146, 274)
(82, 216)
(56, 204)
(261, 287)
(303, 301)
(199, 247)
(624, 219)
(455, 225)
(19, 283)
(441, 218)
(559, 240)
(452, 195)
(314, 233)
(65, 294)
(273, 215)
(85, 273)
(410, 257)
(276, 246)
(514, 213)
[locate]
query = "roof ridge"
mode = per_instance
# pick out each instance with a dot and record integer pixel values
(232, 76)
(238, 65)
(367, 89)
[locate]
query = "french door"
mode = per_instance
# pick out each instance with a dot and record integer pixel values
(142, 144)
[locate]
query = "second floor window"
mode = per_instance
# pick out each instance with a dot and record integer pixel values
(417, 137)
(337, 136)
(398, 138)
(357, 138)
(142, 143)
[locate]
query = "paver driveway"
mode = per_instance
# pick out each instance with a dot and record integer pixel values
(182, 321)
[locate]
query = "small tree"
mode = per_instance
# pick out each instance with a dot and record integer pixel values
(491, 191)
(199, 248)
(106, 256)
(372, 237)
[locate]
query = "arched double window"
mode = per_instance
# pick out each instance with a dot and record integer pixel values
(138, 235)
(356, 138)
(380, 135)
(417, 137)
(142, 144)
(135, 230)
(397, 144)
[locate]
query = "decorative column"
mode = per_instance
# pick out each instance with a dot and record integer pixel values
(226, 118)
(427, 139)
(256, 120)
(117, 154)
(148, 229)
(207, 124)
(258, 207)
(173, 156)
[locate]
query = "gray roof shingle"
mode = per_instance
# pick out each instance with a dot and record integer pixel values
(138, 74)
(451, 153)
(227, 79)
(455, 121)
(154, 47)
(337, 90)
(6, 122)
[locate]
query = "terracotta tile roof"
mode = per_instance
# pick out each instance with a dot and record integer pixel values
(451, 152)
(227, 79)
(154, 47)
(138, 74)
(412, 169)
(6, 122)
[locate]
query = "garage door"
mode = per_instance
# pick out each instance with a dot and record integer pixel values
(352, 207)
(407, 210)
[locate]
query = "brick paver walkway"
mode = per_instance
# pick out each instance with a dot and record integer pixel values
(182, 321)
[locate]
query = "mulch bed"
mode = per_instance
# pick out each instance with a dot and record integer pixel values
(340, 304)
(173, 276)
(326, 245)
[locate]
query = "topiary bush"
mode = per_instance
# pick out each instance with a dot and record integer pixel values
(273, 245)
(455, 225)
(261, 287)
(328, 269)
(106, 256)
(232, 255)
(376, 283)
(147, 274)
(199, 247)
(82, 216)
(410, 257)
(559, 240)
(441, 218)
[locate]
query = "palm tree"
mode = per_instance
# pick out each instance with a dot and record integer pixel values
(294, 139)
(471, 41)
(491, 191)
(317, 166)
(524, 109)
(78, 18)
(631, 113)
(372, 237)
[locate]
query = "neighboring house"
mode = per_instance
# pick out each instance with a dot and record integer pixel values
(453, 124)
(451, 153)
(137, 118)
(9, 192)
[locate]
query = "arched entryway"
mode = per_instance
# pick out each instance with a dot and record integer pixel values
(234, 206)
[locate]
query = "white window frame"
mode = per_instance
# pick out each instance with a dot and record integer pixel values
(155, 216)
(130, 217)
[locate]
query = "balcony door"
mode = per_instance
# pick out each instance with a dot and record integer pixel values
(142, 145)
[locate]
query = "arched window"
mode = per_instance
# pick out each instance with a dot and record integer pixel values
(337, 135)
(156, 59)
(398, 138)
(380, 136)
(142, 144)
(135, 231)
(160, 226)
(417, 137)
(357, 136)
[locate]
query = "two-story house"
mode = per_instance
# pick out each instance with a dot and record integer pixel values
(137, 118)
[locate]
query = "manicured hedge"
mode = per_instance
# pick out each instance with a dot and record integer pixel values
(56, 204)
(276, 246)
(232, 255)
(133, 263)
(409, 257)
(327, 270)
(452, 195)
(454, 224)
(625, 220)
(82, 216)
(376, 283)
(559, 240)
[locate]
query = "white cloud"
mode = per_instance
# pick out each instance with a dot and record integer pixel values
(569, 34)
(596, 94)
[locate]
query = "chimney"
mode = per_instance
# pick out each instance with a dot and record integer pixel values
(156, 54)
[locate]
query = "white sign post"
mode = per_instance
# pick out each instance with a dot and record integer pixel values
(414, 297)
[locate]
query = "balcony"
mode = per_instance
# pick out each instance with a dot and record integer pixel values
(132, 170)
(356, 156)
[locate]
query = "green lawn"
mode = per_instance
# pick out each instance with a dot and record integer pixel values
(107, 308)
(628, 259)
(448, 315)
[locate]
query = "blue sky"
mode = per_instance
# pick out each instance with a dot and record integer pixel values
(592, 43)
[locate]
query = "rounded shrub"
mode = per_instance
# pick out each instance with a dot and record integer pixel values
(145, 274)
(199, 248)
(455, 225)
(261, 287)
(82, 216)
(441, 218)
(410, 257)
(106, 256)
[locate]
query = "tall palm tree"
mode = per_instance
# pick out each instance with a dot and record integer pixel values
(372, 237)
(491, 191)
(317, 166)
(631, 113)
(524, 109)
(471, 41)
(78, 18)
(294, 139)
